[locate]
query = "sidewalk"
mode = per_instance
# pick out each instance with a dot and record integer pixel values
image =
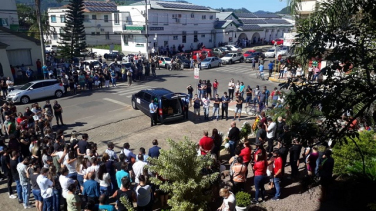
(275, 79)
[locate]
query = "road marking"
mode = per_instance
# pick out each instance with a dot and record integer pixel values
(115, 101)
(116, 110)
(131, 89)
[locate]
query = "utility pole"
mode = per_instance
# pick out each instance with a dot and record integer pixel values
(39, 19)
(146, 29)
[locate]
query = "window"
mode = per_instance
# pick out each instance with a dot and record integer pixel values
(125, 39)
(38, 85)
(195, 38)
(62, 18)
(175, 37)
(155, 21)
(86, 18)
(192, 15)
(53, 18)
(4, 22)
(92, 33)
(98, 33)
(19, 57)
(184, 39)
(94, 17)
(61, 31)
(107, 35)
(116, 19)
(55, 36)
(203, 17)
(147, 97)
(211, 17)
(140, 45)
(105, 17)
(203, 35)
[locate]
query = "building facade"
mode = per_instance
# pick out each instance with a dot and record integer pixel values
(100, 19)
(169, 24)
(307, 7)
(8, 14)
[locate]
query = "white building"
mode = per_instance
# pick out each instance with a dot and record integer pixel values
(169, 24)
(100, 19)
(307, 7)
(8, 14)
(256, 28)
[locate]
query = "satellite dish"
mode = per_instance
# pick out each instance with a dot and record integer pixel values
(99, 26)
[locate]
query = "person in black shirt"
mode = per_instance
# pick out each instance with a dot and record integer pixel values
(190, 93)
(47, 105)
(217, 101)
(233, 137)
(58, 110)
(295, 151)
(29, 115)
(5, 165)
(248, 92)
(239, 106)
(13, 169)
(260, 134)
(225, 100)
(82, 145)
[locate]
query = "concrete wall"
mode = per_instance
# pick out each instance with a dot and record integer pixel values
(5, 63)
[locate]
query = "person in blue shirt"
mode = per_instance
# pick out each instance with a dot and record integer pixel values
(91, 188)
(271, 65)
(153, 113)
(29, 74)
(154, 151)
(267, 94)
(102, 204)
(122, 173)
(261, 69)
(45, 71)
(225, 100)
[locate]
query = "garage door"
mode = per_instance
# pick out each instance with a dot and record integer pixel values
(19, 57)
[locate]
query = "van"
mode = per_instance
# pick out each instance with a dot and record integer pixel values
(170, 104)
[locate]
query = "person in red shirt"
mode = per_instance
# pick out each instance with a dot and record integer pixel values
(260, 177)
(263, 119)
(206, 143)
(277, 170)
(246, 153)
(215, 87)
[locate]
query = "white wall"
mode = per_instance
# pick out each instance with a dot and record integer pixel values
(5, 63)
(8, 12)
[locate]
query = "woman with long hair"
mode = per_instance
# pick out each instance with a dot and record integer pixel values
(57, 191)
(81, 167)
(70, 163)
(35, 188)
(260, 178)
(104, 179)
(217, 142)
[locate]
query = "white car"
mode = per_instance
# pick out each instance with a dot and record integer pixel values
(210, 62)
(270, 53)
(283, 51)
(95, 63)
(36, 90)
(234, 48)
(50, 48)
(164, 61)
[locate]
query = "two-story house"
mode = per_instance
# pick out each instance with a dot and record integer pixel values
(169, 24)
(99, 20)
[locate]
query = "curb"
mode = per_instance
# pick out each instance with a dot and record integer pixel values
(275, 80)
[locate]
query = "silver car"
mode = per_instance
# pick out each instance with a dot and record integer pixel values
(36, 90)
(210, 62)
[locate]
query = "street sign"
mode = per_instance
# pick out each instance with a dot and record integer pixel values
(196, 73)
(279, 57)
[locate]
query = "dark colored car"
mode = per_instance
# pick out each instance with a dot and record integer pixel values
(114, 55)
(253, 56)
(185, 61)
(170, 105)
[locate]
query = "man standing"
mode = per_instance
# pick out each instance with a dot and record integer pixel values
(153, 113)
(29, 74)
(23, 173)
(13, 169)
(216, 106)
(45, 71)
(196, 106)
(231, 86)
(233, 137)
(261, 100)
(39, 67)
(154, 151)
(277, 174)
(206, 105)
(206, 143)
(225, 100)
(270, 134)
(45, 186)
(138, 167)
(267, 94)
(271, 65)
(295, 151)
(82, 145)
(215, 87)
(326, 173)
(239, 106)
(91, 188)
(58, 110)
(261, 69)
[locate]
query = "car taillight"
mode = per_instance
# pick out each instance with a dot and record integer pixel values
(160, 112)
(60, 84)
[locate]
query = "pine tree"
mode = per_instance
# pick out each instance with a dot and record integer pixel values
(183, 169)
(73, 37)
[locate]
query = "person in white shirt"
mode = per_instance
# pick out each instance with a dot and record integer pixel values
(45, 186)
(23, 172)
(93, 168)
(206, 104)
(229, 200)
(299, 71)
(64, 183)
(10, 84)
(231, 87)
(270, 134)
(104, 180)
(110, 151)
(138, 167)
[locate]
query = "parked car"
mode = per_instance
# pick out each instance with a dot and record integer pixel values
(50, 48)
(218, 52)
(279, 41)
(254, 56)
(210, 62)
(283, 51)
(114, 55)
(164, 61)
(270, 53)
(249, 52)
(94, 62)
(184, 60)
(234, 48)
(169, 104)
(203, 53)
(36, 90)
(231, 58)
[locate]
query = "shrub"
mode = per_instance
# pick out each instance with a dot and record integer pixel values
(243, 199)
(346, 155)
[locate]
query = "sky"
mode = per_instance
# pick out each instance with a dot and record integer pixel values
(251, 5)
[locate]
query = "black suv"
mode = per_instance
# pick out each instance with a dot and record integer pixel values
(170, 105)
